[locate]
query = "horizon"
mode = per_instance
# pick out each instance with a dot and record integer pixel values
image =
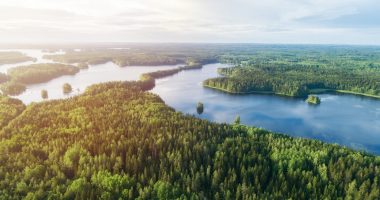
(37, 45)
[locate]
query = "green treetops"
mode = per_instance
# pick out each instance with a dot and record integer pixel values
(237, 120)
(200, 108)
(312, 99)
(44, 94)
(67, 88)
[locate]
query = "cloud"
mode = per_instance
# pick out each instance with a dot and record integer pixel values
(299, 21)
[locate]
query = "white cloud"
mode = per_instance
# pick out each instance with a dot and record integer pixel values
(181, 20)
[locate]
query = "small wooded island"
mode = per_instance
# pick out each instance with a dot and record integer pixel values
(44, 94)
(11, 57)
(67, 88)
(312, 99)
(200, 108)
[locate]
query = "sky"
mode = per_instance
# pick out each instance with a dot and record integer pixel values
(214, 21)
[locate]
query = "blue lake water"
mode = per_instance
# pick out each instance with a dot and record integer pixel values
(348, 120)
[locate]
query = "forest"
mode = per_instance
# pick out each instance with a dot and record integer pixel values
(119, 57)
(12, 88)
(11, 57)
(9, 109)
(39, 73)
(118, 141)
(3, 78)
(14, 83)
(140, 55)
(297, 72)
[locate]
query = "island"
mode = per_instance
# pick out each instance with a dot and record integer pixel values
(312, 99)
(82, 66)
(44, 94)
(139, 56)
(39, 73)
(169, 72)
(200, 108)
(121, 57)
(66, 88)
(12, 57)
(18, 77)
(12, 88)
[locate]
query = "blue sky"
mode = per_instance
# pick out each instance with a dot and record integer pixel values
(269, 21)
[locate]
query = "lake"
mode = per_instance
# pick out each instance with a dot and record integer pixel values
(348, 120)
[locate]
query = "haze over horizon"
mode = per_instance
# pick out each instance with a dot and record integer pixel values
(223, 21)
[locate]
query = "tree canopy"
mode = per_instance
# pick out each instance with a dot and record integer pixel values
(118, 141)
(301, 70)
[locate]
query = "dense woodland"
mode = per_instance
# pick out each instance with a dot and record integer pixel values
(12, 88)
(9, 109)
(119, 57)
(11, 57)
(138, 56)
(312, 99)
(3, 78)
(295, 80)
(15, 82)
(301, 71)
(117, 141)
(39, 73)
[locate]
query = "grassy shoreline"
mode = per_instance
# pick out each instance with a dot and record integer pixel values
(252, 92)
(357, 93)
(322, 91)
(314, 91)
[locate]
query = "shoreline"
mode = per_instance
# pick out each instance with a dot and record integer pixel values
(357, 93)
(316, 91)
